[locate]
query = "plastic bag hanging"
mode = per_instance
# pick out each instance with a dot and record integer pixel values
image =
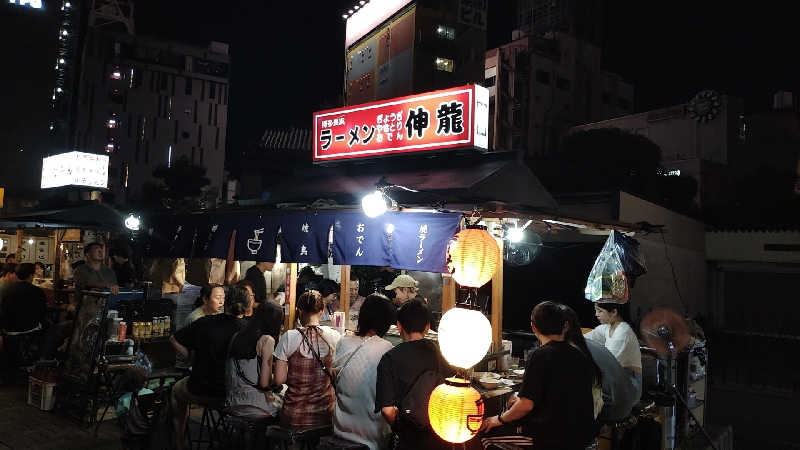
(615, 270)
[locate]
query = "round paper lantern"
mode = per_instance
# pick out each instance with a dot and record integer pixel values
(464, 337)
(455, 410)
(474, 257)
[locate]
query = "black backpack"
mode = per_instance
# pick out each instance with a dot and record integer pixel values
(147, 424)
(413, 407)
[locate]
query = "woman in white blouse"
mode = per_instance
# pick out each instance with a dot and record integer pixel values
(355, 366)
(619, 338)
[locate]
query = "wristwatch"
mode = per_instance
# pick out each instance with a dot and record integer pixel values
(500, 419)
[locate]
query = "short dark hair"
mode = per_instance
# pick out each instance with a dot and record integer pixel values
(310, 302)
(548, 318)
(25, 270)
(414, 316)
(247, 284)
(11, 256)
(205, 291)
(133, 379)
(39, 264)
(237, 301)
(377, 313)
(327, 287)
(623, 310)
(121, 249)
(90, 246)
(7, 268)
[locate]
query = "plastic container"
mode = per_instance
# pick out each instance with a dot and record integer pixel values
(41, 394)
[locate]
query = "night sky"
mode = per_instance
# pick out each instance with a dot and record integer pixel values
(288, 57)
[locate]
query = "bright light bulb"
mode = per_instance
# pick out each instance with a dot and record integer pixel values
(389, 228)
(362, 2)
(344, 16)
(374, 204)
(515, 235)
(30, 241)
(350, 11)
(67, 5)
(464, 337)
(58, 89)
(64, 32)
(132, 222)
(61, 60)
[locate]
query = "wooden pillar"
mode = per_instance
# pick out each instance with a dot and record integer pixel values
(497, 302)
(57, 255)
(344, 293)
(448, 292)
(291, 294)
(20, 237)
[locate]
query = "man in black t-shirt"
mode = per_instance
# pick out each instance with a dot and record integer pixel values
(554, 409)
(400, 367)
(208, 337)
(255, 275)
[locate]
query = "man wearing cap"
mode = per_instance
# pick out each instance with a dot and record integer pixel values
(405, 289)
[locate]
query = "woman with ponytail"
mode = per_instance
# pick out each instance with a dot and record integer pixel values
(305, 356)
(616, 334)
(619, 394)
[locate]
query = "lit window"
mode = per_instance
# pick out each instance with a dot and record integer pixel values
(116, 74)
(111, 146)
(112, 121)
(446, 32)
(444, 64)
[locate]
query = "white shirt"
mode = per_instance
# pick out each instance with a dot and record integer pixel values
(624, 344)
(291, 340)
(354, 417)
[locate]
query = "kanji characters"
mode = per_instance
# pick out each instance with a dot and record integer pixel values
(451, 118)
(418, 121)
(325, 138)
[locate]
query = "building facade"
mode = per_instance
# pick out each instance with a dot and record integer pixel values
(148, 102)
(542, 85)
(401, 47)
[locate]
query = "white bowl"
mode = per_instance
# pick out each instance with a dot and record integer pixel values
(478, 375)
(489, 383)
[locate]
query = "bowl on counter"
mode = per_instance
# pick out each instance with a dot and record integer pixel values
(476, 376)
(489, 382)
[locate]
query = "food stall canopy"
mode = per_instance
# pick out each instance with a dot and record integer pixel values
(403, 240)
(96, 216)
(453, 179)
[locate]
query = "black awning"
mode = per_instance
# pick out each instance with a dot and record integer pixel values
(93, 216)
(473, 181)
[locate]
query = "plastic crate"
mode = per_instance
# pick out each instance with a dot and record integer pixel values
(41, 394)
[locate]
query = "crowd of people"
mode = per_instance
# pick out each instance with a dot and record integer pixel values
(234, 353)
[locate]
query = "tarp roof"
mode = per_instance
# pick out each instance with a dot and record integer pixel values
(91, 216)
(453, 180)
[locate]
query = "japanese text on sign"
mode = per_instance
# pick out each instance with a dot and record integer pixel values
(432, 121)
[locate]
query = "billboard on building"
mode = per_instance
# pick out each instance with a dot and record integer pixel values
(75, 169)
(368, 17)
(451, 118)
(381, 67)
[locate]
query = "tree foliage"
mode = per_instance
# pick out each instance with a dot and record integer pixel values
(182, 185)
(609, 159)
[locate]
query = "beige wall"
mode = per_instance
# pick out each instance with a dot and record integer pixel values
(749, 246)
(681, 247)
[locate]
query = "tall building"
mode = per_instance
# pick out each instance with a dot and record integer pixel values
(401, 47)
(541, 85)
(584, 19)
(147, 102)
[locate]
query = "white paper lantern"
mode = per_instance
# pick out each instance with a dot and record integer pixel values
(464, 337)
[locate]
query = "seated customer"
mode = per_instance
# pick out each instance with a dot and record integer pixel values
(249, 368)
(212, 297)
(355, 366)
(400, 367)
(619, 393)
(304, 358)
(208, 337)
(133, 380)
(616, 334)
(554, 407)
(24, 305)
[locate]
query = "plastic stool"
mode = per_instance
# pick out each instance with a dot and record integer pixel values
(207, 423)
(302, 439)
(245, 426)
